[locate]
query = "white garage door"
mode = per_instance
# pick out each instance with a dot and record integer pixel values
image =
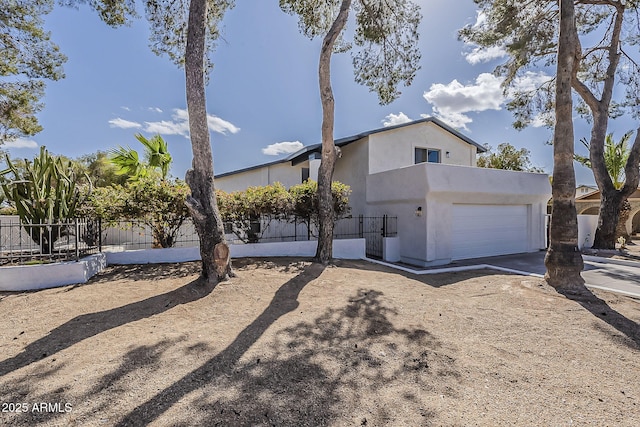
(488, 230)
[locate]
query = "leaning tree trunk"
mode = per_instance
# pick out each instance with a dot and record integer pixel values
(563, 259)
(326, 214)
(612, 199)
(202, 202)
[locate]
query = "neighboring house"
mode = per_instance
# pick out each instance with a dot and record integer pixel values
(589, 204)
(424, 172)
(583, 190)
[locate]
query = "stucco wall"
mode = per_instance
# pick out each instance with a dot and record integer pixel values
(283, 173)
(342, 249)
(352, 169)
(427, 239)
(29, 277)
(587, 225)
(395, 149)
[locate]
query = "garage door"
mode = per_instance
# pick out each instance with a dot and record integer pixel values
(488, 230)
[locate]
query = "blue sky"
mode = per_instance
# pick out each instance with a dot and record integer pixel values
(263, 92)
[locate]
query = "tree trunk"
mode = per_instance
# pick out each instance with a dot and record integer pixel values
(202, 202)
(612, 200)
(621, 228)
(326, 214)
(563, 259)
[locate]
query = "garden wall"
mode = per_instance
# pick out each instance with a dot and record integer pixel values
(33, 277)
(342, 249)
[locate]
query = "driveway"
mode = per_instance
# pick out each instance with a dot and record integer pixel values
(601, 273)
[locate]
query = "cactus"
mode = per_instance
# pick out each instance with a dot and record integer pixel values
(44, 192)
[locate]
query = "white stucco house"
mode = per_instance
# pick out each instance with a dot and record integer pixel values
(424, 173)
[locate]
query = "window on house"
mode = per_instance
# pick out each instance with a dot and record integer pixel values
(426, 155)
(305, 174)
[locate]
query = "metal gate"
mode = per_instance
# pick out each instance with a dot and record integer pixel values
(373, 229)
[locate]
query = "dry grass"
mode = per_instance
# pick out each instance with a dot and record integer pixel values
(293, 343)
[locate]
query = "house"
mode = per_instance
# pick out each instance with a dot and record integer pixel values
(583, 190)
(424, 173)
(589, 204)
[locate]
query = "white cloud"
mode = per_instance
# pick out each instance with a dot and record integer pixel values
(179, 125)
(125, 108)
(395, 119)
(282, 148)
(451, 101)
(219, 125)
(479, 54)
(166, 127)
(531, 81)
(123, 124)
(20, 143)
(155, 109)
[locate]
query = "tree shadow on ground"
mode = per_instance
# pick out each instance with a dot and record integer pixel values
(350, 363)
(145, 272)
(134, 362)
(87, 325)
(600, 309)
(284, 301)
(138, 272)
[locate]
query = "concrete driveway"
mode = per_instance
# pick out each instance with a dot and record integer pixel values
(601, 273)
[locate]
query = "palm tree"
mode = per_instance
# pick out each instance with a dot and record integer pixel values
(156, 154)
(616, 155)
(563, 260)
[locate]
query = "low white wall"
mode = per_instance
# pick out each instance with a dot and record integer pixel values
(391, 249)
(153, 256)
(587, 225)
(30, 277)
(342, 249)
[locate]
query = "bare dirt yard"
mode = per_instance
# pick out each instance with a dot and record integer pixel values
(292, 343)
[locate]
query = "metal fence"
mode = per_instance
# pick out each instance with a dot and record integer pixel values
(372, 229)
(70, 240)
(47, 241)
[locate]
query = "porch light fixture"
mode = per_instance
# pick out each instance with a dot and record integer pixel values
(447, 154)
(419, 211)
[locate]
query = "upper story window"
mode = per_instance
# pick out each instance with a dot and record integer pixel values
(426, 155)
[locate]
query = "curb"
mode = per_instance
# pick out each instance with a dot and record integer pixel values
(452, 269)
(509, 270)
(602, 260)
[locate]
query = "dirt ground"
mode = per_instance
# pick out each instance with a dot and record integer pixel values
(292, 343)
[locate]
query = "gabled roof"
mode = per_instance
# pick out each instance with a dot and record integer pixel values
(595, 195)
(303, 154)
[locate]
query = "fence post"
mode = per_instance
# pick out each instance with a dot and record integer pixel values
(384, 225)
(75, 220)
(361, 226)
(99, 234)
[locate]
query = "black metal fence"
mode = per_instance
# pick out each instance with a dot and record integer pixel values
(73, 239)
(45, 242)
